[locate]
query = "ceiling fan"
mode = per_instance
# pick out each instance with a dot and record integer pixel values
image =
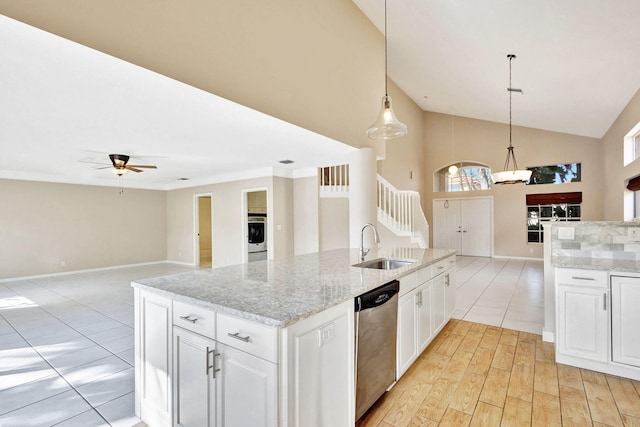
(119, 163)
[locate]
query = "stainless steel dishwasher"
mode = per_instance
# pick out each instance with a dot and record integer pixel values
(376, 328)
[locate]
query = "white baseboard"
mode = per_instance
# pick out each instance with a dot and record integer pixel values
(548, 336)
(517, 257)
(91, 270)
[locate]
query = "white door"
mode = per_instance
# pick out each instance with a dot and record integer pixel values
(464, 224)
(582, 322)
(193, 379)
(476, 227)
(424, 317)
(625, 318)
(447, 224)
(437, 303)
(407, 349)
(247, 390)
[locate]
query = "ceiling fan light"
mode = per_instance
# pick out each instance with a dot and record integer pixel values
(387, 126)
(119, 171)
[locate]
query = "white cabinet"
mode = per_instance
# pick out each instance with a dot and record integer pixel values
(449, 294)
(318, 364)
(247, 388)
(438, 318)
(153, 365)
(423, 317)
(625, 320)
(194, 379)
(582, 326)
(423, 310)
(407, 344)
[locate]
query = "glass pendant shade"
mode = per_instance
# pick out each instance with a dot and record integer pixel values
(387, 126)
(513, 176)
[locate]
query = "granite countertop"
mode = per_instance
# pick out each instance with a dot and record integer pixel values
(284, 291)
(608, 264)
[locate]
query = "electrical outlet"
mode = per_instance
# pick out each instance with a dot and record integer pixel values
(327, 333)
(566, 233)
(633, 234)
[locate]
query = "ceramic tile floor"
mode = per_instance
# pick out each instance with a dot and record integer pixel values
(66, 342)
(66, 348)
(501, 292)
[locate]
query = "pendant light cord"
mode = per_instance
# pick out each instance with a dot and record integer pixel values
(386, 89)
(510, 96)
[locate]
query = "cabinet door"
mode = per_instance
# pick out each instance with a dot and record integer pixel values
(153, 359)
(407, 348)
(625, 318)
(437, 303)
(582, 322)
(449, 294)
(247, 390)
(193, 379)
(423, 319)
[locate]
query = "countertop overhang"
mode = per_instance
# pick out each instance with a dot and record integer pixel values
(283, 291)
(608, 264)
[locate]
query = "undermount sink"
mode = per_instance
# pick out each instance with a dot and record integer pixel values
(385, 263)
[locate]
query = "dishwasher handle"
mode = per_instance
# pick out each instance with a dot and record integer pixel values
(377, 297)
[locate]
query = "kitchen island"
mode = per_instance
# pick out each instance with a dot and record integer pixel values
(270, 342)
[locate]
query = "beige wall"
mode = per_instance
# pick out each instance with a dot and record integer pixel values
(615, 174)
(334, 223)
(306, 222)
(282, 218)
(450, 138)
(43, 225)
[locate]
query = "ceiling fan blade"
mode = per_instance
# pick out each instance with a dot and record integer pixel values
(143, 166)
(131, 168)
(103, 167)
(94, 163)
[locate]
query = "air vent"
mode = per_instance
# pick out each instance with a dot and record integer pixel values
(286, 162)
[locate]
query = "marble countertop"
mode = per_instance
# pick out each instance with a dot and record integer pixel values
(281, 292)
(621, 265)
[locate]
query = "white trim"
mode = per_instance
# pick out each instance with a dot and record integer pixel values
(245, 220)
(518, 257)
(196, 226)
(548, 336)
(91, 270)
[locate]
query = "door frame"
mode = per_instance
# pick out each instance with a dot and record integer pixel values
(196, 227)
(491, 216)
(245, 222)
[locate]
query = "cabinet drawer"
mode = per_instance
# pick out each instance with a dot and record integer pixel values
(578, 277)
(195, 319)
(408, 283)
(250, 337)
(424, 274)
(443, 265)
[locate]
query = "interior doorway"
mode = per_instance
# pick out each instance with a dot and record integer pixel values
(257, 236)
(203, 237)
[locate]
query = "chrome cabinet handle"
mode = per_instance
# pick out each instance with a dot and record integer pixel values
(604, 305)
(441, 267)
(446, 280)
(213, 364)
(238, 337)
(189, 318)
(582, 278)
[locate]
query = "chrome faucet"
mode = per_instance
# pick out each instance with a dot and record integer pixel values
(363, 251)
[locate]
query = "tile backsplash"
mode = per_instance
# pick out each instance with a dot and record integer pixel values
(598, 239)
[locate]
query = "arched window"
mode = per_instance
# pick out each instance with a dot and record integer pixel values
(463, 176)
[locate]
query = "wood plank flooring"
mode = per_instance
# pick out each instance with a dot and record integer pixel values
(480, 375)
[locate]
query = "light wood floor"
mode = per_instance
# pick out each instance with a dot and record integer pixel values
(479, 375)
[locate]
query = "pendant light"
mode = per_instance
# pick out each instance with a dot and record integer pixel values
(387, 126)
(513, 175)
